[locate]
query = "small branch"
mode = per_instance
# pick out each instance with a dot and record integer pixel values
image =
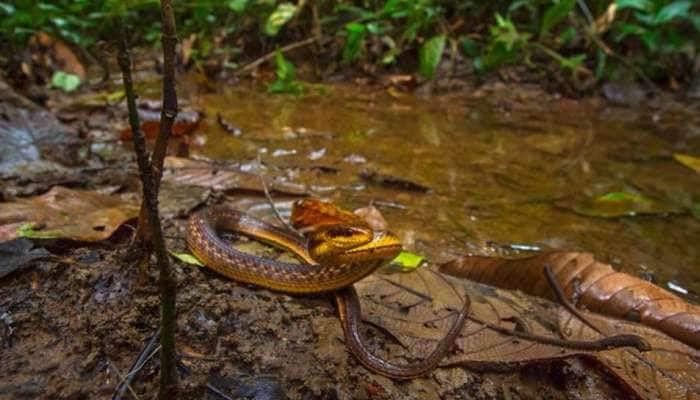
(150, 198)
(248, 68)
(122, 377)
(613, 341)
(140, 362)
(606, 343)
(559, 293)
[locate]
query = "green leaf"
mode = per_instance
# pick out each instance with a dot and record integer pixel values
(430, 55)
(187, 258)
(354, 42)
(643, 5)
(556, 14)
(695, 210)
(28, 230)
(620, 204)
(65, 81)
(282, 14)
(670, 11)
(8, 9)
(237, 5)
(469, 46)
(573, 62)
(406, 261)
(568, 35)
(286, 77)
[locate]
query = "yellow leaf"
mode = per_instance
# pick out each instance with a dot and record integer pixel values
(689, 161)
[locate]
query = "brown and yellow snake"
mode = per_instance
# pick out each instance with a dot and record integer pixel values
(346, 253)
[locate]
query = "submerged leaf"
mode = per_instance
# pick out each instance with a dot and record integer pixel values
(620, 204)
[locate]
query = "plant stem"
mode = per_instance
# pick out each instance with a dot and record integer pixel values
(168, 376)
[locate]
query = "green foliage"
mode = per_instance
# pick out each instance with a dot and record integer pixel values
(430, 55)
(653, 22)
(286, 78)
(65, 81)
(555, 14)
(282, 14)
(659, 37)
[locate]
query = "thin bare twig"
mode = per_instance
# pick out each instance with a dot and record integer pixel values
(272, 203)
(605, 343)
(559, 293)
(248, 68)
(146, 354)
(631, 340)
(121, 376)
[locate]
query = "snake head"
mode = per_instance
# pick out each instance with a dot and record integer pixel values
(347, 243)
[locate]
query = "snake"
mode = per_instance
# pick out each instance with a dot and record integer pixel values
(333, 259)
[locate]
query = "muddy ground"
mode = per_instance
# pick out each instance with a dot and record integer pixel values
(76, 326)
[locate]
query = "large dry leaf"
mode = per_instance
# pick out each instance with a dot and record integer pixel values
(417, 309)
(65, 213)
(187, 172)
(588, 283)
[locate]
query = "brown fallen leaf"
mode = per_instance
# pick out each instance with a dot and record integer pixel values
(588, 283)
(416, 309)
(65, 213)
(67, 59)
(188, 172)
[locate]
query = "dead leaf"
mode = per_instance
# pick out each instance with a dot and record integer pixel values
(417, 309)
(392, 182)
(312, 214)
(65, 213)
(373, 217)
(186, 122)
(69, 62)
(588, 283)
(187, 172)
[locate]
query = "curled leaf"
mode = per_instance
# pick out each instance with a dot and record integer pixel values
(588, 283)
